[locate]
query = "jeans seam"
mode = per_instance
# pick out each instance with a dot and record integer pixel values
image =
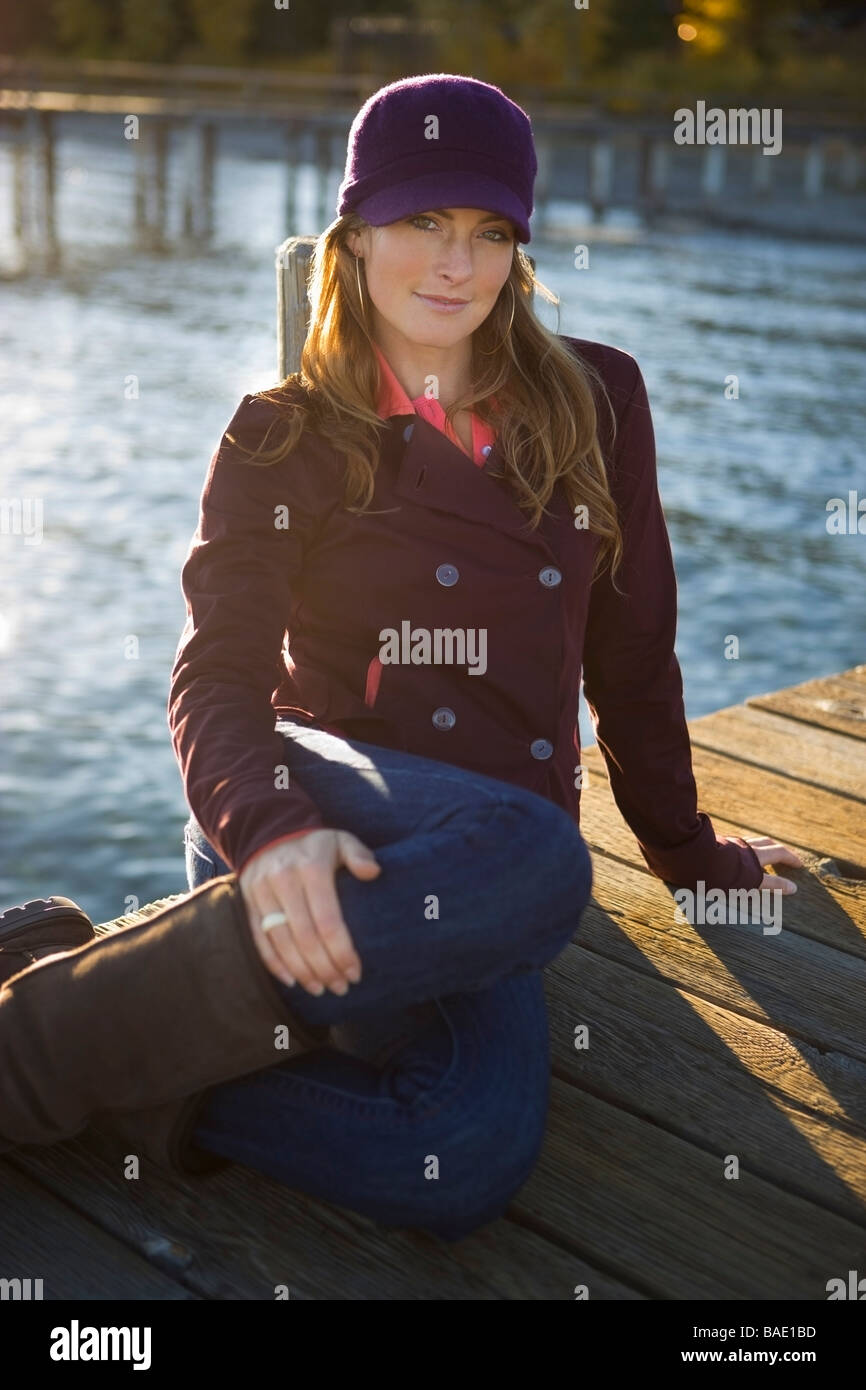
(385, 1108)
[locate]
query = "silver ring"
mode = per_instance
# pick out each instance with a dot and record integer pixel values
(273, 919)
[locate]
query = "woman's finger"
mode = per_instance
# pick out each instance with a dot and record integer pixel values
(293, 968)
(256, 908)
(321, 891)
(774, 883)
(290, 890)
(770, 851)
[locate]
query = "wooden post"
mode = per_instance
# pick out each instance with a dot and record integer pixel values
(161, 146)
(339, 139)
(34, 179)
(600, 176)
(713, 172)
(198, 180)
(207, 168)
(151, 159)
(292, 134)
(653, 168)
(20, 182)
(544, 155)
(47, 181)
(139, 192)
(813, 169)
(189, 182)
(293, 306)
(762, 172)
(323, 175)
(849, 167)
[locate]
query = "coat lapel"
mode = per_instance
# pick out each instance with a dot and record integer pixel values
(434, 472)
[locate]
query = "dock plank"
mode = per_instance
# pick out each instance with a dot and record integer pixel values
(41, 1237)
(806, 752)
(827, 823)
(832, 702)
(828, 906)
(796, 1116)
(648, 1205)
(799, 986)
(237, 1234)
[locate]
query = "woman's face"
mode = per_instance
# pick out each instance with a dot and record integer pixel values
(454, 253)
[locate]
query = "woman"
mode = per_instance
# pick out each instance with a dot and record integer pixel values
(449, 511)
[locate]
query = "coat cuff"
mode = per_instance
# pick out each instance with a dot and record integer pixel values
(718, 861)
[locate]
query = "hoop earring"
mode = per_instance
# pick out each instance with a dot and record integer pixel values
(488, 351)
(360, 294)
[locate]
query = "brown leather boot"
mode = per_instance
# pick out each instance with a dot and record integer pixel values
(38, 928)
(131, 1030)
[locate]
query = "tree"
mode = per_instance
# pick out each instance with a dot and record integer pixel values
(84, 27)
(223, 27)
(150, 31)
(635, 26)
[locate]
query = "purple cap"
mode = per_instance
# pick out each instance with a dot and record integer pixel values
(439, 141)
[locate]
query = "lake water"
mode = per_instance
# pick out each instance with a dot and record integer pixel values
(92, 804)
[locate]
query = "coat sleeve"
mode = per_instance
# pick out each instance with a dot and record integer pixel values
(239, 579)
(632, 679)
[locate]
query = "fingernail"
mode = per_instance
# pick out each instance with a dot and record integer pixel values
(317, 989)
(287, 979)
(354, 975)
(341, 988)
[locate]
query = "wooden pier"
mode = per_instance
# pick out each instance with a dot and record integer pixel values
(170, 121)
(707, 1044)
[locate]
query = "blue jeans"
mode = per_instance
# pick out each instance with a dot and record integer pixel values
(428, 1107)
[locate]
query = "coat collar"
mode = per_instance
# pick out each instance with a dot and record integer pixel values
(394, 400)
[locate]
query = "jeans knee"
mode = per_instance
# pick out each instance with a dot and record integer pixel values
(496, 1186)
(492, 1155)
(555, 859)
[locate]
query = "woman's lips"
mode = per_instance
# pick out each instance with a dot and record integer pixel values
(445, 306)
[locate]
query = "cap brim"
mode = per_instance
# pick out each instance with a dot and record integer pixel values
(444, 190)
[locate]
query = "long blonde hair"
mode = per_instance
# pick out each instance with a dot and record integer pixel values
(546, 425)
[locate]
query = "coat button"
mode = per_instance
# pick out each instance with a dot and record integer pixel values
(550, 576)
(444, 718)
(407, 433)
(541, 748)
(447, 575)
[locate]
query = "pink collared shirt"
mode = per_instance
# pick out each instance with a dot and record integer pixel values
(393, 400)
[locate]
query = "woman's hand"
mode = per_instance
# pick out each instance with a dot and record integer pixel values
(771, 852)
(313, 946)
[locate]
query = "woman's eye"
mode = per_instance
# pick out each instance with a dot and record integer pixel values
(497, 234)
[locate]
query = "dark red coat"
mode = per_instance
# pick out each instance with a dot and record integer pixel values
(443, 546)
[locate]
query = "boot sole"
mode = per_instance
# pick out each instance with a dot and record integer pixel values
(48, 912)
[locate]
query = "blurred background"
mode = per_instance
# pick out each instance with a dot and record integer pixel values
(151, 160)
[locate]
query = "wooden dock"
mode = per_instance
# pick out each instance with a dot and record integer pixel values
(171, 119)
(706, 1043)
